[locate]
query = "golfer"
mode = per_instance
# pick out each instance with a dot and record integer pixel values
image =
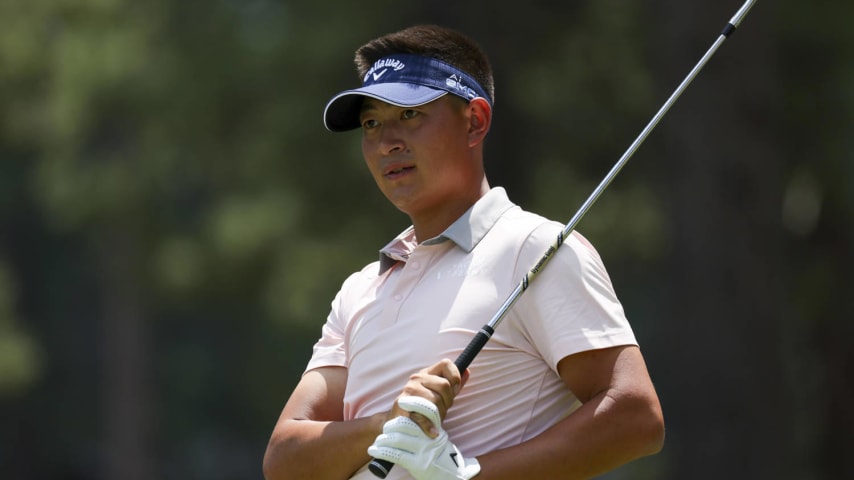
(561, 391)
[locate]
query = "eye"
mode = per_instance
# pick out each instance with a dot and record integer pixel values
(409, 113)
(369, 123)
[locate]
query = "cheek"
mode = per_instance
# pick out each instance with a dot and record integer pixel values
(369, 158)
(365, 149)
(449, 146)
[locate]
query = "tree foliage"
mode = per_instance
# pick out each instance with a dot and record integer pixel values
(174, 220)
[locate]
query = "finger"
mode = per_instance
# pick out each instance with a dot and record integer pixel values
(421, 423)
(425, 425)
(424, 413)
(440, 383)
(433, 388)
(401, 438)
(422, 407)
(401, 441)
(394, 455)
(402, 426)
(449, 371)
(388, 454)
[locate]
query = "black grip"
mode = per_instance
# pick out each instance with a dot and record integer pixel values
(473, 348)
(381, 468)
(728, 29)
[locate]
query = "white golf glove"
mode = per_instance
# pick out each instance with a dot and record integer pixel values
(404, 443)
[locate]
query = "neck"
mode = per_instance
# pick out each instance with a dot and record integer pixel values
(432, 225)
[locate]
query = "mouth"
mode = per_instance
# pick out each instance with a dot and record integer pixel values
(397, 172)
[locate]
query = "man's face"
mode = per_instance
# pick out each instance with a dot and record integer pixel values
(420, 157)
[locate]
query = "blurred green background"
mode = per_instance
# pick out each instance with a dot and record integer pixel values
(174, 219)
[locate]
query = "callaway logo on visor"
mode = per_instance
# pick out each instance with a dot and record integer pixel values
(385, 64)
(425, 71)
(404, 80)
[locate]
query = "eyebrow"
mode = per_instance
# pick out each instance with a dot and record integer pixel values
(367, 106)
(371, 105)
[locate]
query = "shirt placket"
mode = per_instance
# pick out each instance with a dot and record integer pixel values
(409, 277)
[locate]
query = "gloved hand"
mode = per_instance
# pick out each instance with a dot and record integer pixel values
(403, 442)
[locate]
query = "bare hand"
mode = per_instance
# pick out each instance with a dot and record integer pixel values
(438, 383)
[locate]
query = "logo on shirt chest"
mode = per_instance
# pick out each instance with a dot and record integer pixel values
(466, 268)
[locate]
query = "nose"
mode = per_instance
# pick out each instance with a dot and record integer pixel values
(390, 140)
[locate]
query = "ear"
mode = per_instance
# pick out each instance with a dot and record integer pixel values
(480, 119)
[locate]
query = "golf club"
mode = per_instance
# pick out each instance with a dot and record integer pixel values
(381, 468)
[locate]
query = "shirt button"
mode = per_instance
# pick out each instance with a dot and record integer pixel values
(397, 298)
(415, 265)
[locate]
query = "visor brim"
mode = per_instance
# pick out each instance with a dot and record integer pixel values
(342, 112)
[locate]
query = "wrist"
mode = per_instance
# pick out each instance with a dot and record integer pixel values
(376, 423)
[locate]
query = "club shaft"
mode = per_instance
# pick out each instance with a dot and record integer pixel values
(381, 468)
(741, 13)
(597, 192)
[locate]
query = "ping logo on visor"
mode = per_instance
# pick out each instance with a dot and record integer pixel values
(426, 71)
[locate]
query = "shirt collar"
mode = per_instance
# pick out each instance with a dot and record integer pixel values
(467, 231)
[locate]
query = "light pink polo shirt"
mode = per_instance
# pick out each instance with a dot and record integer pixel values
(424, 302)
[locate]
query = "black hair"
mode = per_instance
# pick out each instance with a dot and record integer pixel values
(445, 44)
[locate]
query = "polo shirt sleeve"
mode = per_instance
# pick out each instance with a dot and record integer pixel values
(330, 351)
(571, 306)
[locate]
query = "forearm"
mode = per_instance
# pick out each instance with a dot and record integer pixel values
(302, 449)
(603, 434)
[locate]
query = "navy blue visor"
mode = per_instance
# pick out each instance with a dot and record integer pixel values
(403, 80)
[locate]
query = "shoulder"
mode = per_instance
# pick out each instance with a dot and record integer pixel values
(361, 279)
(534, 231)
(518, 223)
(354, 290)
(539, 234)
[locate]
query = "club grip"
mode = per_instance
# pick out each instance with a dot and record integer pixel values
(380, 468)
(473, 348)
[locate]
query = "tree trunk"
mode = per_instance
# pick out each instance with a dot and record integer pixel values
(125, 350)
(726, 402)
